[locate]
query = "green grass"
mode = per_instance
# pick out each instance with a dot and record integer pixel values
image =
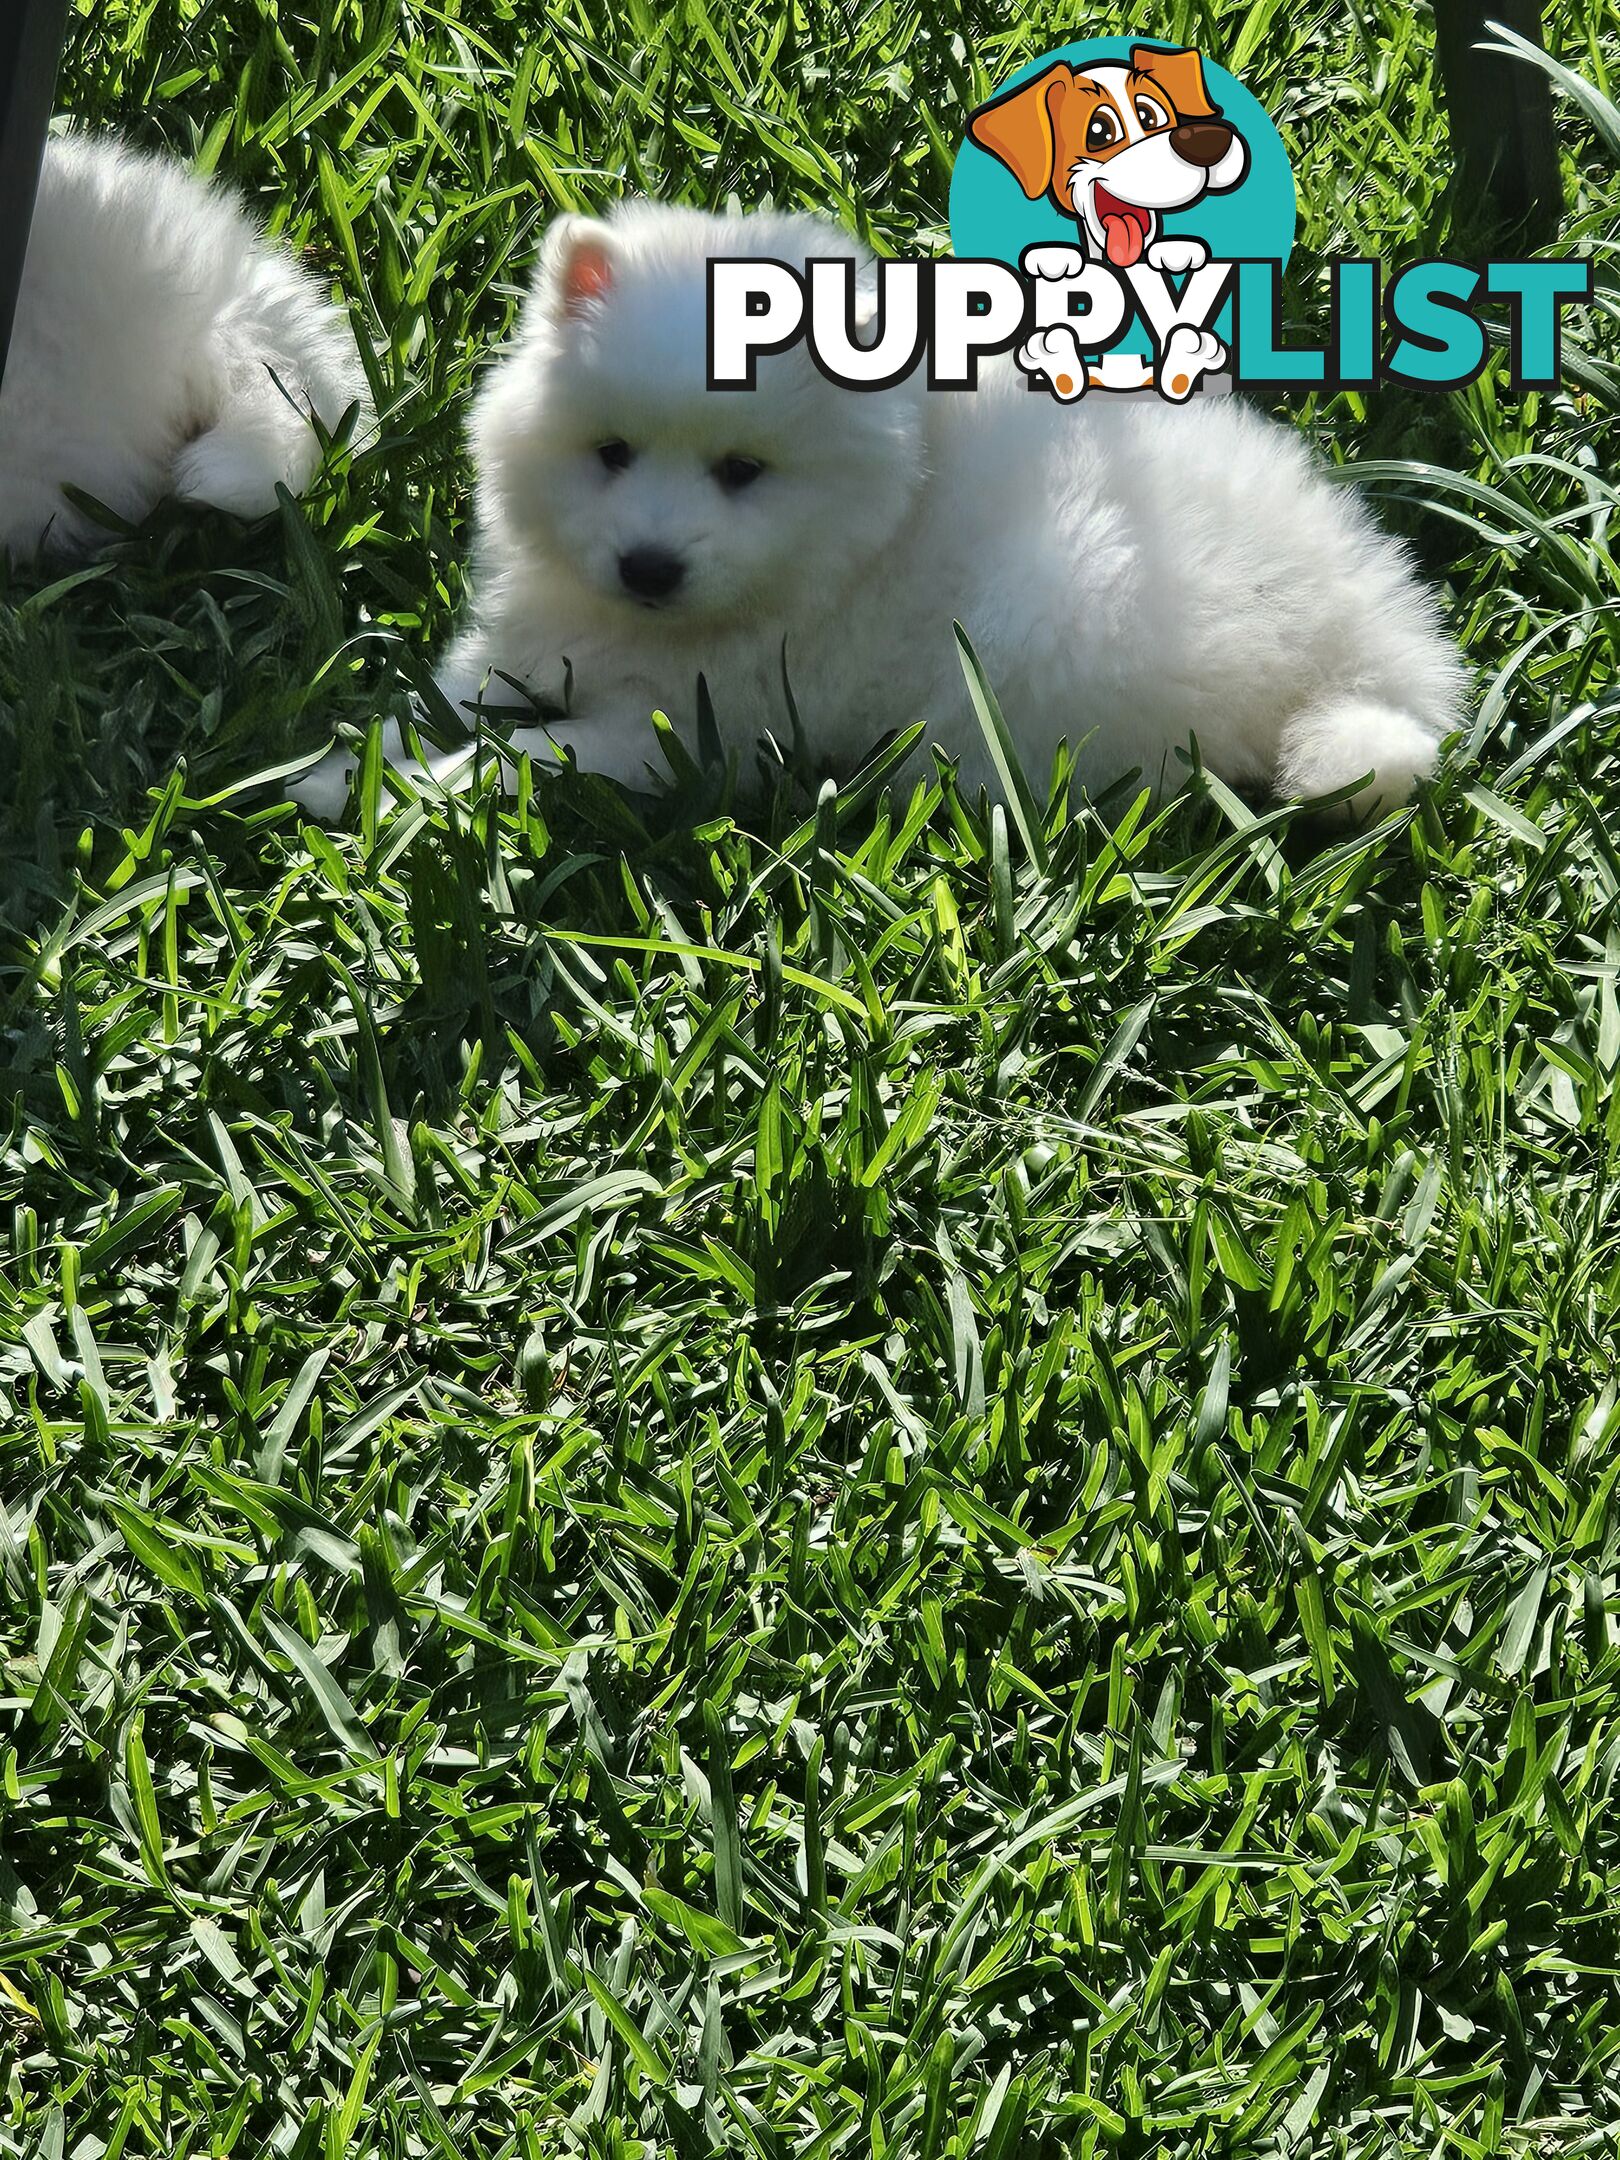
(858, 1483)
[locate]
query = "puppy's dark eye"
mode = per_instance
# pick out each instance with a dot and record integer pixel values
(1149, 114)
(736, 472)
(1104, 129)
(616, 454)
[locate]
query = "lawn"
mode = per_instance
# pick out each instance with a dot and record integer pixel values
(870, 1478)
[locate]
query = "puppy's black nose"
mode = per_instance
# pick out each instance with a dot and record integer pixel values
(1201, 142)
(651, 573)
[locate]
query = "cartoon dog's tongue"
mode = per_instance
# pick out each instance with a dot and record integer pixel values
(1125, 229)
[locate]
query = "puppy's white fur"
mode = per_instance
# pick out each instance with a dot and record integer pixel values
(152, 326)
(1131, 575)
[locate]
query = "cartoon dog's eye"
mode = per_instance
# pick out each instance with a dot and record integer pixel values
(615, 454)
(1151, 115)
(1104, 129)
(737, 471)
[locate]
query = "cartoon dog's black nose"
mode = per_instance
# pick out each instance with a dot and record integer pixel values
(651, 573)
(1201, 142)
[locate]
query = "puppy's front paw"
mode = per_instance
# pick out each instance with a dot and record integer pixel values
(1055, 354)
(1188, 355)
(1056, 263)
(324, 789)
(1176, 255)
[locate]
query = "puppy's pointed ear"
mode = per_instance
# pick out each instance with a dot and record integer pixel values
(1180, 75)
(579, 265)
(1020, 128)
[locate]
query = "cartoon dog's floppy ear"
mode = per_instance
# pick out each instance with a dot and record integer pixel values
(1020, 128)
(1180, 75)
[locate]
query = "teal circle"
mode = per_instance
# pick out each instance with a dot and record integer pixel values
(991, 217)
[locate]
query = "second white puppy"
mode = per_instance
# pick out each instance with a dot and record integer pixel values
(161, 347)
(1132, 575)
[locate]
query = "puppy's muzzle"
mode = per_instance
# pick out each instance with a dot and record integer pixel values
(1201, 142)
(650, 573)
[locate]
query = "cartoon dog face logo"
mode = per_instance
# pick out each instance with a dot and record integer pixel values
(1117, 146)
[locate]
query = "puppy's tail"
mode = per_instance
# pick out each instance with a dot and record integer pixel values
(1336, 743)
(279, 353)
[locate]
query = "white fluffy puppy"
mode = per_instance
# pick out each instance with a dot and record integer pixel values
(1132, 575)
(152, 327)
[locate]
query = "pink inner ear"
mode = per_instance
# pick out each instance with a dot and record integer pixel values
(587, 275)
